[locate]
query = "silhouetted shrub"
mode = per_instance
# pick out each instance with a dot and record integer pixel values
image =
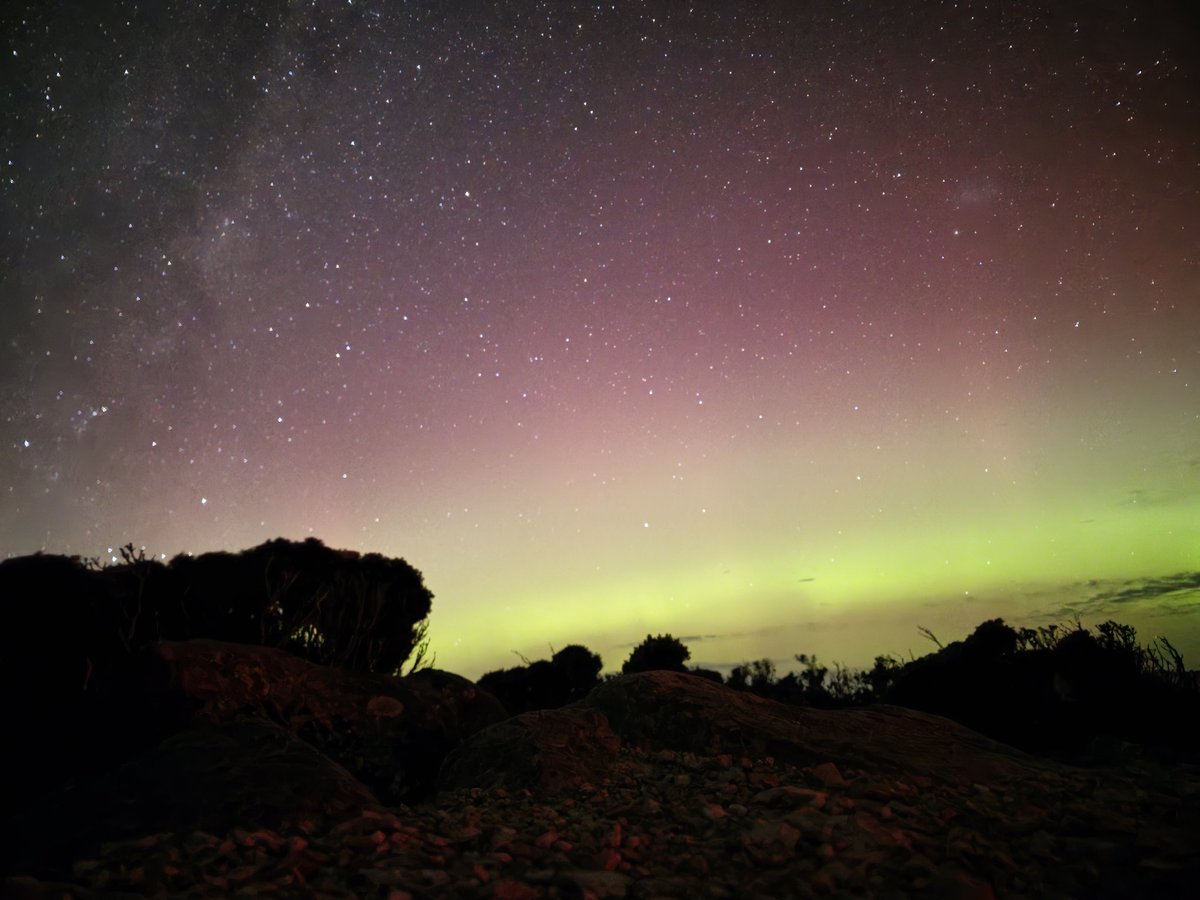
(64, 634)
(509, 686)
(661, 652)
(332, 607)
(579, 669)
(814, 685)
(991, 640)
(757, 676)
(1058, 691)
(70, 631)
(568, 676)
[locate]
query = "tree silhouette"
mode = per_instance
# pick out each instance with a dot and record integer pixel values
(992, 640)
(661, 652)
(545, 684)
(579, 669)
(333, 607)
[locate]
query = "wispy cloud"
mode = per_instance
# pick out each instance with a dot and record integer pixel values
(689, 639)
(1176, 594)
(683, 638)
(1181, 583)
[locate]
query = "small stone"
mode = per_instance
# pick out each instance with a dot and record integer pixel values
(827, 773)
(771, 842)
(383, 707)
(436, 877)
(511, 889)
(382, 877)
(602, 884)
(952, 884)
(788, 795)
(609, 860)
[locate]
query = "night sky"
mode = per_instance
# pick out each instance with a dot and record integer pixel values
(780, 327)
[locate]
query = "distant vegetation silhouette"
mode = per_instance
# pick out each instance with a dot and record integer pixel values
(1054, 691)
(661, 652)
(72, 628)
(332, 607)
(569, 675)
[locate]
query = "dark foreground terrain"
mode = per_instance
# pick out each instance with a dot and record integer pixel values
(266, 774)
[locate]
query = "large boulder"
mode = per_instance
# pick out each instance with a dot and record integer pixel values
(678, 711)
(391, 733)
(240, 734)
(210, 777)
(661, 710)
(546, 750)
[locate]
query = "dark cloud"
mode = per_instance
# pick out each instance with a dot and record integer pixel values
(1182, 584)
(1177, 594)
(685, 638)
(689, 639)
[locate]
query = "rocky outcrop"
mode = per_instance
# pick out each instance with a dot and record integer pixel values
(676, 711)
(210, 777)
(391, 733)
(246, 734)
(679, 711)
(656, 784)
(549, 750)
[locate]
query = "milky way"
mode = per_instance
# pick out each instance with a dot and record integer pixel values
(780, 327)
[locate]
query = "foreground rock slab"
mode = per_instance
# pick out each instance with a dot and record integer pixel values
(677, 824)
(548, 750)
(683, 712)
(212, 776)
(392, 733)
(657, 785)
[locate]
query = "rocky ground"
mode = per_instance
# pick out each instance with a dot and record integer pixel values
(657, 785)
(671, 824)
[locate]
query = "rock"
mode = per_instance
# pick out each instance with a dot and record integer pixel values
(682, 712)
(770, 842)
(827, 773)
(599, 883)
(953, 884)
(789, 796)
(548, 749)
(210, 777)
(391, 733)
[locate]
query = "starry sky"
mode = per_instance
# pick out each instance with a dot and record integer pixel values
(780, 327)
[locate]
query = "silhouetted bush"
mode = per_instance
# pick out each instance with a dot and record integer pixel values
(1053, 691)
(70, 630)
(568, 676)
(661, 652)
(1059, 691)
(710, 674)
(815, 685)
(579, 669)
(991, 641)
(332, 607)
